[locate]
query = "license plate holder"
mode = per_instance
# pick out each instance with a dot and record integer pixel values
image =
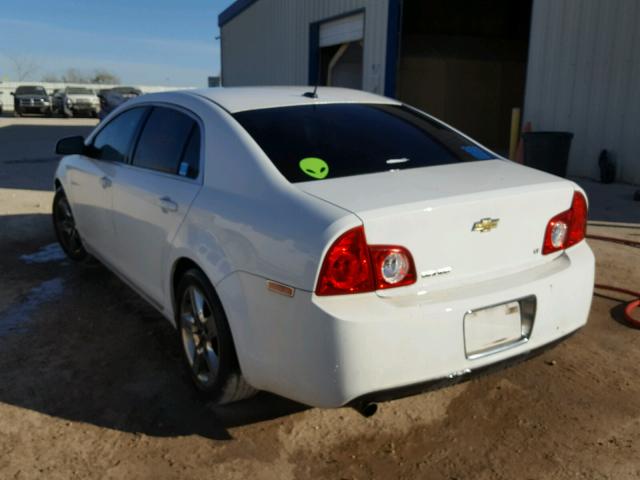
(496, 328)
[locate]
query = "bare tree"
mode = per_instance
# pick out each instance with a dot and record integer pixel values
(50, 77)
(73, 75)
(24, 66)
(105, 77)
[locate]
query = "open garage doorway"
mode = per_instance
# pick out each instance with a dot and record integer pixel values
(465, 62)
(341, 65)
(340, 51)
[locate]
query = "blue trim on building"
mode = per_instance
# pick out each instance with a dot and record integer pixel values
(233, 10)
(393, 40)
(393, 47)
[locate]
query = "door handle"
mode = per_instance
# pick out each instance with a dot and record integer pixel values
(105, 182)
(167, 205)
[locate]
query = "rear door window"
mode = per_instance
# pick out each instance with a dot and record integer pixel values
(166, 140)
(313, 142)
(113, 142)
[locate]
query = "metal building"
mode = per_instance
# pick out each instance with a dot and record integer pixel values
(279, 42)
(571, 65)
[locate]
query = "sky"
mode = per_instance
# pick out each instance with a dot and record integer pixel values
(150, 42)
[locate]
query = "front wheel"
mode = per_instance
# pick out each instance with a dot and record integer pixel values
(65, 228)
(206, 341)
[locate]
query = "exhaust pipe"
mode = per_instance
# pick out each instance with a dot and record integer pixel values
(366, 409)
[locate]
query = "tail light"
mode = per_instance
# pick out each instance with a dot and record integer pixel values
(392, 266)
(352, 266)
(567, 228)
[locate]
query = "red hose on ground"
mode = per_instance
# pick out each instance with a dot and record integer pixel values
(631, 306)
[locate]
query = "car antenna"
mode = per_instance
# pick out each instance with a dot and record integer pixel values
(313, 94)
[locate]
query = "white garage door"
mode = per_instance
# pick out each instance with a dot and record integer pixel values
(342, 30)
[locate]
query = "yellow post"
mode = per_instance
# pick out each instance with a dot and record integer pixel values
(515, 133)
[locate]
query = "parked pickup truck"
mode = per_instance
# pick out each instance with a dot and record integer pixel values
(114, 97)
(73, 101)
(31, 99)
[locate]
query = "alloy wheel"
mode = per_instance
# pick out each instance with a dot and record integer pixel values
(66, 226)
(199, 336)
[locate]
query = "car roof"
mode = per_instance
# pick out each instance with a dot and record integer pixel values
(238, 99)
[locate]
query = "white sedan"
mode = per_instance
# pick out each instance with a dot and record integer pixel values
(332, 249)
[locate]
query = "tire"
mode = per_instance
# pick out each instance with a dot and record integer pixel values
(65, 228)
(17, 113)
(206, 341)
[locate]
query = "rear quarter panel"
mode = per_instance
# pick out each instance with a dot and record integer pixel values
(261, 223)
(248, 218)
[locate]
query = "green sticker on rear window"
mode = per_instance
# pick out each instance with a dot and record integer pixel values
(314, 167)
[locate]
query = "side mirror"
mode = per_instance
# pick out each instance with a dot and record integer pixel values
(13, 94)
(70, 146)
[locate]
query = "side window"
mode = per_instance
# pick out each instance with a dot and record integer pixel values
(165, 139)
(114, 140)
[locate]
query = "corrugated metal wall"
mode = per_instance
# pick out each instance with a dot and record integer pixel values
(584, 76)
(268, 43)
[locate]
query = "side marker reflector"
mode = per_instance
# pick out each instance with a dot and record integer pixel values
(276, 287)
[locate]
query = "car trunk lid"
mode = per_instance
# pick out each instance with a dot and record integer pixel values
(461, 222)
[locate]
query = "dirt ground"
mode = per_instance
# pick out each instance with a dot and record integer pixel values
(91, 385)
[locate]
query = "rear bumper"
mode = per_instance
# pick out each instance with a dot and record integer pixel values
(329, 351)
(431, 385)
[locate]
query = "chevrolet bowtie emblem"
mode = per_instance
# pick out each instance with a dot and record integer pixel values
(485, 225)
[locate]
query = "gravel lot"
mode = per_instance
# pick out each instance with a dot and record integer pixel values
(91, 385)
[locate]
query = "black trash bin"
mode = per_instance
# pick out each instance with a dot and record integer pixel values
(548, 151)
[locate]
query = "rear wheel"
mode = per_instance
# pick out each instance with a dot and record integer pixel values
(206, 341)
(65, 228)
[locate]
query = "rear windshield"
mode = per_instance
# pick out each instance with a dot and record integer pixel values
(313, 142)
